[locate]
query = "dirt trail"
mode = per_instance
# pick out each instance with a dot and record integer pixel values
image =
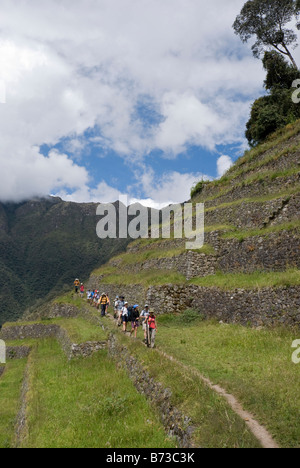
(259, 431)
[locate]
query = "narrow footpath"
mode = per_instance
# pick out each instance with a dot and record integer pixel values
(259, 431)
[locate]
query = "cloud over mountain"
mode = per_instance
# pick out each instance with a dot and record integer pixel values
(129, 76)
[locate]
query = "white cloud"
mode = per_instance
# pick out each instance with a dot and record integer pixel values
(30, 173)
(170, 187)
(71, 66)
(223, 164)
(156, 192)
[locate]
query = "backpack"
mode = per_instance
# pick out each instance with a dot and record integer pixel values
(130, 313)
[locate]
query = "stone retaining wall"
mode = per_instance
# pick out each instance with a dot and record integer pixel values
(290, 211)
(20, 332)
(275, 252)
(267, 306)
(255, 189)
(37, 331)
(245, 215)
(134, 294)
(17, 352)
(256, 307)
(63, 310)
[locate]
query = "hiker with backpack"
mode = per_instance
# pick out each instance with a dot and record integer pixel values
(134, 316)
(151, 325)
(144, 315)
(76, 285)
(116, 307)
(104, 303)
(125, 316)
(120, 308)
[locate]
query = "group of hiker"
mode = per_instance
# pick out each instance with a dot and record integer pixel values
(124, 314)
(79, 287)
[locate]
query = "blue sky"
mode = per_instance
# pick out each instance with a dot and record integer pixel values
(133, 97)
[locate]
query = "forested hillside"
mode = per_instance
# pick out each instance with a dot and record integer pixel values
(44, 245)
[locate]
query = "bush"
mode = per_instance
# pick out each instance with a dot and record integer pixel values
(190, 316)
(275, 110)
(197, 189)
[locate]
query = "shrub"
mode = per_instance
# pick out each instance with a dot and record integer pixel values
(190, 316)
(197, 189)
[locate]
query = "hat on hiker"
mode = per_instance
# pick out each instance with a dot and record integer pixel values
(136, 306)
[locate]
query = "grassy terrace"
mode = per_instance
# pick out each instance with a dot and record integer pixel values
(262, 177)
(10, 391)
(261, 199)
(269, 148)
(83, 403)
(292, 226)
(87, 403)
(256, 280)
(79, 329)
(254, 365)
(132, 259)
(255, 160)
(216, 424)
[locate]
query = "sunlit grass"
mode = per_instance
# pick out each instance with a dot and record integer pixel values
(87, 403)
(10, 392)
(254, 365)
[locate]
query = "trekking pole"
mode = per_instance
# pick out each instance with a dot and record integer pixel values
(148, 336)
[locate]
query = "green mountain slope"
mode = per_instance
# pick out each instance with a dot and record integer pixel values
(249, 268)
(44, 245)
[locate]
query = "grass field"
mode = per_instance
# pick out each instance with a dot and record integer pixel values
(224, 281)
(254, 365)
(90, 403)
(87, 403)
(216, 425)
(10, 391)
